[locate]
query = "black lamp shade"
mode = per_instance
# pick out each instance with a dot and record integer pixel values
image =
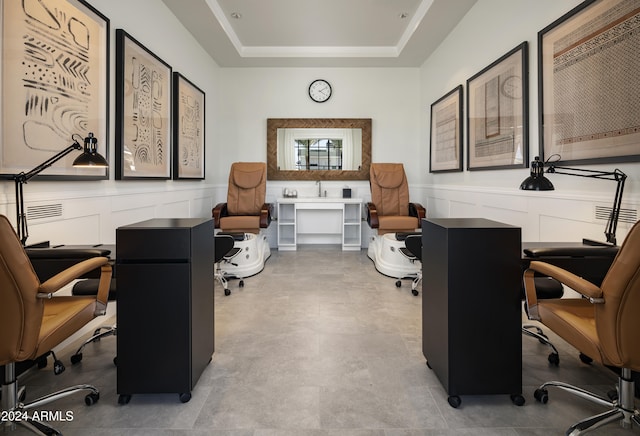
(90, 156)
(537, 181)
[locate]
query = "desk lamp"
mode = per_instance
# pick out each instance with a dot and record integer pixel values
(90, 158)
(538, 182)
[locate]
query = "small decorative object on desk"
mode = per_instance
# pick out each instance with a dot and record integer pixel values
(346, 192)
(289, 193)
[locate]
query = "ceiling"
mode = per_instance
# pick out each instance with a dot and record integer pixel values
(319, 33)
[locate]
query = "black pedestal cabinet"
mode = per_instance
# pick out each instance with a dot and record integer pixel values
(471, 308)
(165, 305)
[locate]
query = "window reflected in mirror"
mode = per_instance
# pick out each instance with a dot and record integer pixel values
(318, 148)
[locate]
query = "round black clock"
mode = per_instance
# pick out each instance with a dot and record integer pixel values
(320, 91)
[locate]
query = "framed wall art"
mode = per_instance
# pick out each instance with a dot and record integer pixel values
(445, 146)
(497, 113)
(188, 129)
(143, 111)
(54, 85)
(589, 84)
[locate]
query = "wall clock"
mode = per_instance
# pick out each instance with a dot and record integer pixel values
(320, 91)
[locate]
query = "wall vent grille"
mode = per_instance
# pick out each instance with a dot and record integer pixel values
(626, 215)
(44, 211)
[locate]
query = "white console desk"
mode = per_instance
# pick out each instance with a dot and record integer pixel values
(319, 220)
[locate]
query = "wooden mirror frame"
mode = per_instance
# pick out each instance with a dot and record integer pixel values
(273, 124)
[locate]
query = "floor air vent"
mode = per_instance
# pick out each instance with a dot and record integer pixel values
(626, 215)
(45, 211)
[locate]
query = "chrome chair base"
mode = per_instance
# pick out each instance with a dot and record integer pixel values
(554, 357)
(17, 411)
(99, 333)
(621, 404)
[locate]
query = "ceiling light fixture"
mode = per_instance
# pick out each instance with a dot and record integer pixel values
(403, 15)
(236, 15)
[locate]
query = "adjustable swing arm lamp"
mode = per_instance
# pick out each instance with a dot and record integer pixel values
(616, 175)
(538, 182)
(89, 158)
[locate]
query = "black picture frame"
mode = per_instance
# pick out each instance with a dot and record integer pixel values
(143, 111)
(189, 105)
(498, 114)
(55, 86)
(445, 144)
(589, 84)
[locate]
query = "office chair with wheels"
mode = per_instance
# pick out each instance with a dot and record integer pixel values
(224, 252)
(245, 215)
(33, 320)
(413, 251)
(603, 325)
(390, 213)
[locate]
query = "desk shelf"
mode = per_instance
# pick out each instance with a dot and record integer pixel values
(322, 220)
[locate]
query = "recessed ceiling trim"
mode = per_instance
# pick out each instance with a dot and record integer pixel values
(422, 10)
(315, 51)
(319, 52)
(226, 25)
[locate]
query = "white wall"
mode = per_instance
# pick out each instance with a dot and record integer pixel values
(91, 211)
(488, 31)
(386, 95)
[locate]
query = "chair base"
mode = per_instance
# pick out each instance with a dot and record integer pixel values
(254, 252)
(621, 407)
(99, 333)
(18, 411)
(384, 250)
(554, 356)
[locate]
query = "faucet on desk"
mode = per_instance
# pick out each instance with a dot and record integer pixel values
(319, 183)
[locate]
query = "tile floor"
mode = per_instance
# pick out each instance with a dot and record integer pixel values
(321, 344)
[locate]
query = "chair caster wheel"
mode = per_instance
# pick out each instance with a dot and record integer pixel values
(124, 399)
(241, 283)
(554, 359)
(76, 358)
(58, 367)
(454, 401)
(414, 292)
(398, 284)
(185, 397)
(541, 395)
(517, 399)
(115, 361)
(227, 292)
(91, 399)
(585, 359)
(428, 365)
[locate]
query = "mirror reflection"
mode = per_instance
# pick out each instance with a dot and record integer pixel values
(319, 149)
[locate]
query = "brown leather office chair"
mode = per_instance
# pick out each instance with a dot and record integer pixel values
(390, 210)
(33, 320)
(603, 325)
(245, 209)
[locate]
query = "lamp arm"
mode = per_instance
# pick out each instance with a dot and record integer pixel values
(616, 175)
(22, 178)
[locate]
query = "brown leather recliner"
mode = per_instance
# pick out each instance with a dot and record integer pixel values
(602, 325)
(390, 210)
(245, 209)
(33, 320)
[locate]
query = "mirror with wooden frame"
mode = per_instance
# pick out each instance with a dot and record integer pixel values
(318, 148)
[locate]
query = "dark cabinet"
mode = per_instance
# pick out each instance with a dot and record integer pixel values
(471, 307)
(165, 305)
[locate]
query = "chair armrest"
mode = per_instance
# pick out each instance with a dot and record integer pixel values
(417, 210)
(581, 251)
(266, 212)
(592, 292)
(372, 216)
(72, 273)
(218, 212)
